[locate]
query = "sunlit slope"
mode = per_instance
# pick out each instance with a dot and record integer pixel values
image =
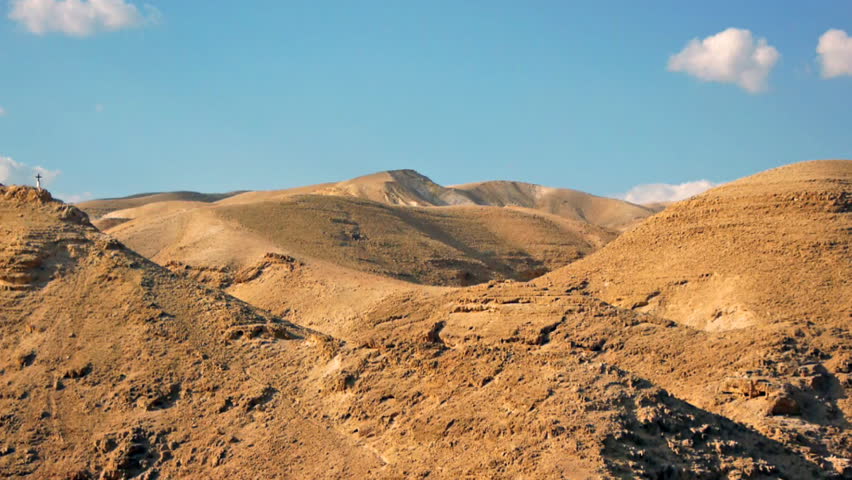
(773, 247)
(449, 246)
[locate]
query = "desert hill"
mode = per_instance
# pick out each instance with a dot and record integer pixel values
(410, 188)
(398, 187)
(334, 257)
(755, 276)
(773, 247)
(573, 204)
(386, 223)
(98, 208)
(447, 246)
(113, 367)
(116, 368)
(743, 304)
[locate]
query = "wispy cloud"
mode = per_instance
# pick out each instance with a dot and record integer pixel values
(2, 111)
(12, 172)
(666, 192)
(80, 18)
(731, 56)
(835, 53)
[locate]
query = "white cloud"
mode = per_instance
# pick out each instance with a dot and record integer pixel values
(835, 53)
(79, 18)
(666, 192)
(99, 107)
(2, 112)
(730, 56)
(12, 172)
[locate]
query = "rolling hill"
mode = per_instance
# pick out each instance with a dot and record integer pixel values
(446, 246)
(397, 224)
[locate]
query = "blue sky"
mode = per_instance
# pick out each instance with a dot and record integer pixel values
(221, 95)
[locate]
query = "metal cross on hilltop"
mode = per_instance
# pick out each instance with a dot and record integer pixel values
(38, 178)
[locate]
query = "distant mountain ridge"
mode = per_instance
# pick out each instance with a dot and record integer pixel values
(397, 223)
(410, 188)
